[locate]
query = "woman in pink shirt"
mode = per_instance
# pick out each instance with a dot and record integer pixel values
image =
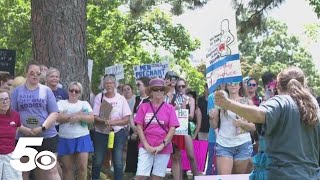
(156, 123)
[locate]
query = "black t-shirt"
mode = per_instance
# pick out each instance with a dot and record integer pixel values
(203, 104)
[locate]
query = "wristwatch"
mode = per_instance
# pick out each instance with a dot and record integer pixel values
(43, 128)
(164, 142)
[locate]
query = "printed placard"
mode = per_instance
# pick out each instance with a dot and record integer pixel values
(183, 115)
(151, 70)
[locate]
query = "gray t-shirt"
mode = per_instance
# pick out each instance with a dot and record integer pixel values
(292, 146)
(34, 107)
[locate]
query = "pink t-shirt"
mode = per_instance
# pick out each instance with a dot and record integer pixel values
(8, 128)
(154, 133)
(120, 109)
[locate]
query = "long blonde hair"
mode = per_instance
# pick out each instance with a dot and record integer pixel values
(292, 81)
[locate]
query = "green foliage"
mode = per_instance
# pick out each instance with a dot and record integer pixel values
(15, 30)
(313, 31)
(115, 37)
(275, 50)
(316, 5)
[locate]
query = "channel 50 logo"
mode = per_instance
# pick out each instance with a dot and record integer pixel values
(44, 160)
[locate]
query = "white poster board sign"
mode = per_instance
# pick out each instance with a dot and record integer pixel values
(90, 68)
(223, 59)
(151, 70)
(183, 115)
(116, 70)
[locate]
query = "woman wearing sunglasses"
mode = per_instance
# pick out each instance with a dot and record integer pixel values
(38, 111)
(156, 123)
(292, 128)
(183, 142)
(233, 144)
(74, 140)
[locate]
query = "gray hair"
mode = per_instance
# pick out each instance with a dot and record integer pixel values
(76, 84)
(52, 70)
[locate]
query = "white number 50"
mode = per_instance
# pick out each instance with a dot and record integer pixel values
(33, 155)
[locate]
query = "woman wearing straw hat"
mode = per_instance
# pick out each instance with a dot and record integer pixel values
(156, 122)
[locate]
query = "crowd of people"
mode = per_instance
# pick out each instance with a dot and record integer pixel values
(275, 136)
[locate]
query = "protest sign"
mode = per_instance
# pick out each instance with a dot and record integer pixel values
(7, 60)
(183, 115)
(116, 70)
(90, 67)
(223, 59)
(151, 70)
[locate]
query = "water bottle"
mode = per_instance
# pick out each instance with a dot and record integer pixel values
(84, 123)
(111, 139)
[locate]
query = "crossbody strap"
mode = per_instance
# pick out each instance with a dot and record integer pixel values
(154, 116)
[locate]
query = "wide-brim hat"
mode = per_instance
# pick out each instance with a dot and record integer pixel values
(157, 82)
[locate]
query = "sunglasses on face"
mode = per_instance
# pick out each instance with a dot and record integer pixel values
(173, 78)
(4, 100)
(252, 85)
(233, 84)
(32, 73)
(74, 91)
(181, 86)
(158, 89)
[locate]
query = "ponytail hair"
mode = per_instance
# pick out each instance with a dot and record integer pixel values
(291, 80)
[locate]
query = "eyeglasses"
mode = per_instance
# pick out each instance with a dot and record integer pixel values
(74, 91)
(181, 86)
(158, 89)
(173, 78)
(32, 73)
(233, 84)
(4, 100)
(253, 85)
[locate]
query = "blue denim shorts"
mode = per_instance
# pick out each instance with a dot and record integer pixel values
(241, 152)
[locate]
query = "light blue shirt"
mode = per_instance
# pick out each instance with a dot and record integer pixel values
(212, 135)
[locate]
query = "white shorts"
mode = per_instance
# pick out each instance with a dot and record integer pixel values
(7, 172)
(147, 160)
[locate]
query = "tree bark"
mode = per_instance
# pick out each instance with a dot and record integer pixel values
(59, 39)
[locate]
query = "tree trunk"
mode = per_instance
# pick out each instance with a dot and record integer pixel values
(59, 39)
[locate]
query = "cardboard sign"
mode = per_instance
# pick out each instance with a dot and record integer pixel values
(151, 70)
(116, 70)
(223, 59)
(7, 60)
(183, 115)
(105, 109)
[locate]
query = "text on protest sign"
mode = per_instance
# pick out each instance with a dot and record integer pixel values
(7, 60)
(151, 70)
(183, 115)
(223, 59)
(117, 70)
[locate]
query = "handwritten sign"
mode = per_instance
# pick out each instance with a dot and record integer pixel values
(7, 60)
(151, 70)
(223, 59)
(116, 70)
(182, 115)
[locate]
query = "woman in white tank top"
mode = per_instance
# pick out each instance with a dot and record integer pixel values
(234, 147)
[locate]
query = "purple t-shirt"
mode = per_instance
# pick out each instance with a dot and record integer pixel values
(154, 133)
(34, 107)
